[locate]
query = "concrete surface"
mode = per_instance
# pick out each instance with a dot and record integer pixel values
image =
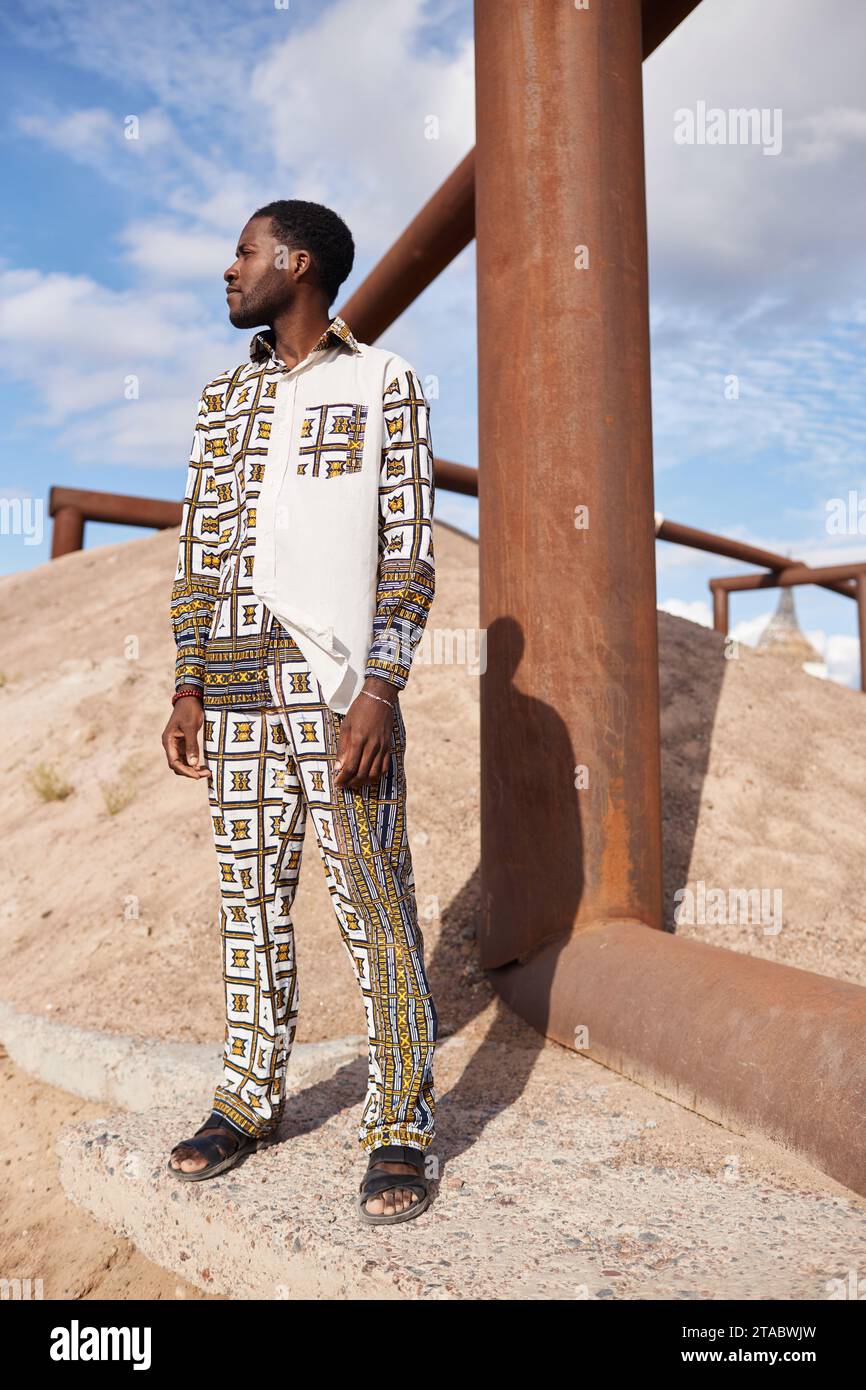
(138, 1073)
(558, 1179)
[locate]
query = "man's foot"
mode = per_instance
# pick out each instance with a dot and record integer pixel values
(225, 1141)
(397, 1199)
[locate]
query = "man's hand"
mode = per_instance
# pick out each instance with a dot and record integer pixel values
(180, 738)
(364, 748)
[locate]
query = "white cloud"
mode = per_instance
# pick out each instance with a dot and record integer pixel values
(264, 109)
(373, 92)
(841, 655)
(756, 263)
(85, 135)
(827, 135)
(116, 145)
(696, 611)
(76, 344)
(748, 630)
(167, 252)
(188, 54)
(725, 220)
(311, 102)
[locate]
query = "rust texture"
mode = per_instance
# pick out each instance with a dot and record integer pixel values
(737, 550)
(759, 1047)
(570, 784)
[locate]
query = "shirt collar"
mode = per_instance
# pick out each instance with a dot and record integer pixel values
(263, 344)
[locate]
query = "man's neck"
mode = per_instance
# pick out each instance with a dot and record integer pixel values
(297, 331)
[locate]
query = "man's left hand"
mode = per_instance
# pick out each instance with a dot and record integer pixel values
(364, 748)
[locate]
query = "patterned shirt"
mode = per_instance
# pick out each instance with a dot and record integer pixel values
(224, 633)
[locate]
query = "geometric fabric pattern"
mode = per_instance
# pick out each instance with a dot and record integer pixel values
(272, 774)
(336, 435)
(220, 626)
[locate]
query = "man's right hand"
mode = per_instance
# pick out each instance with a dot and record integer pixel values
(180, 739)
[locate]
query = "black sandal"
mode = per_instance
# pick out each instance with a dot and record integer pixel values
(214, 1147)
(376, 1181)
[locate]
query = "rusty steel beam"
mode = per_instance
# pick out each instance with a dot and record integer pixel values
(123, 508)
(660, 18)
(443, 227)
(455, 477)
(794, 573)
(71, 507)
(570, 777)
(679, 534)
(759, 1047)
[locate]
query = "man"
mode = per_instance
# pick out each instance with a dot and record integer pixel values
(305, 575)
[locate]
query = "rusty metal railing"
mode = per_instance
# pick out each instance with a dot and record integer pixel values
(827, 576)
(72, 508)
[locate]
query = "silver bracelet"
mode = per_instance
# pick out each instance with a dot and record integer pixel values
(389, 703)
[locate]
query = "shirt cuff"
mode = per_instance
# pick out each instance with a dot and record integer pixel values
(397, 675)
(190, 668)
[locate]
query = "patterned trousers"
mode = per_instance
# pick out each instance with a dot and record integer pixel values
(271, 767)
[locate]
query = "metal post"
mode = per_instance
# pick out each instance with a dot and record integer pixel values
(67, 533)
(720, 609)
(570, 775)
(861, 625)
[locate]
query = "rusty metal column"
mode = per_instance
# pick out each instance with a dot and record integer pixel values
(720, 608)
(570, 777)
(861, 626)
(68, 532)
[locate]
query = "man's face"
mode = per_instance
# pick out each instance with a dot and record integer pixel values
(256, 289)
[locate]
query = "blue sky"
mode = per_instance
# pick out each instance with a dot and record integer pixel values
(113, 250)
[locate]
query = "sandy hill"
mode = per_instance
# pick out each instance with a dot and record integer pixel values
(110, 920)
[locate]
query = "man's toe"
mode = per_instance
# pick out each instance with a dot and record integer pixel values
(184, 1160)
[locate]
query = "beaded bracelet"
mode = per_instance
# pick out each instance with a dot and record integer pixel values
(185, 690)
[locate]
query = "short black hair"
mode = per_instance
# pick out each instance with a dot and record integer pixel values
(311, 227)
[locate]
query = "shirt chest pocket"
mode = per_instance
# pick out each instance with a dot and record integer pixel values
(331, 439)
